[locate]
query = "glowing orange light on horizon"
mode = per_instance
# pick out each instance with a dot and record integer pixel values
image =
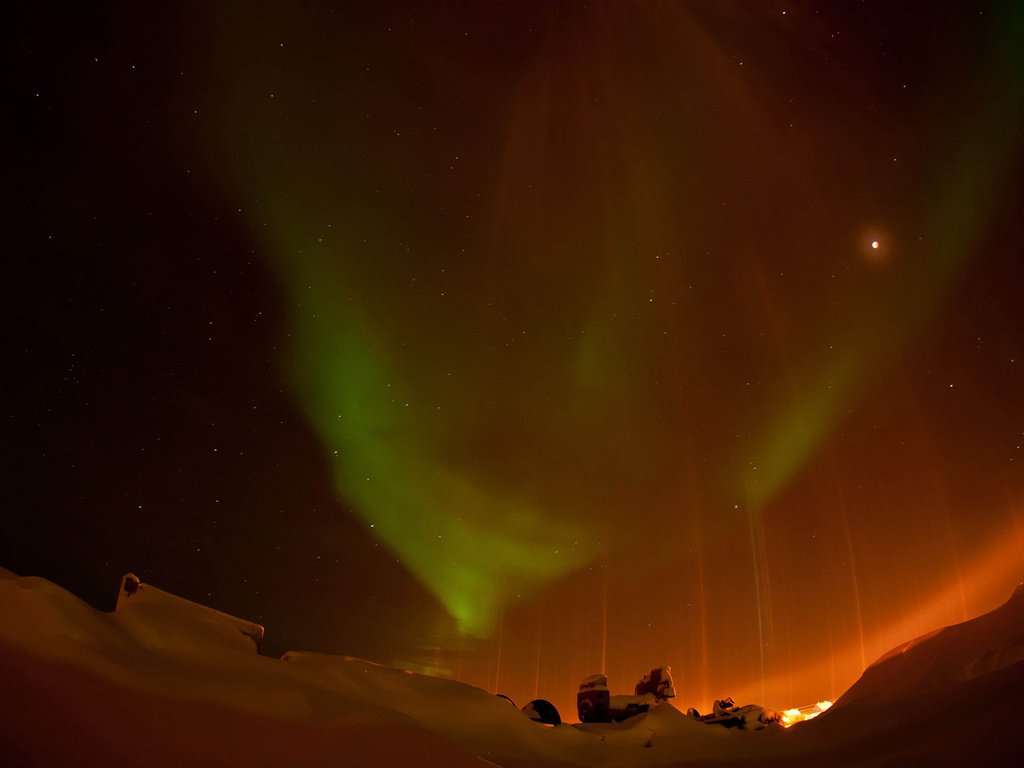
(799, 714)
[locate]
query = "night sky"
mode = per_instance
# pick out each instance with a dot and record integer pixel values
(520, 341)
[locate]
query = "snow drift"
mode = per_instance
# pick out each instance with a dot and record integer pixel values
(947, 656)
(164, 682)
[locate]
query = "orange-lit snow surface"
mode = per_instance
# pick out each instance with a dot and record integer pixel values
(166, 683)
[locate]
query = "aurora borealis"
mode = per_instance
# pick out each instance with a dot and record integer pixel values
(518, 343)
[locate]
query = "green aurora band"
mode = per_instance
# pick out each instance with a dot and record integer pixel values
(401, 413)
(473, 543)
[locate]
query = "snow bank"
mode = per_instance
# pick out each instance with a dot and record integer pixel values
(165, 682)
(160, 685)
(950, 697)
(950, 655)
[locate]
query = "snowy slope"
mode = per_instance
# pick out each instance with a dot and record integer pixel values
(950, 697)
(947, 656)
(165, 682)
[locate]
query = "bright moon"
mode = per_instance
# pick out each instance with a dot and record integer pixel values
(874, 244)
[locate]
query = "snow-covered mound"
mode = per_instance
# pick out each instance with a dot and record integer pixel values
(946, 656)
(950, 697)
(161, 685)
(165, 682)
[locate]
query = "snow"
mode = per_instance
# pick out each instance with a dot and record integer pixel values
(946, 656)
(165, 682)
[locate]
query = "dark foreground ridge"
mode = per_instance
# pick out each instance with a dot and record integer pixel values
(164, 682)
